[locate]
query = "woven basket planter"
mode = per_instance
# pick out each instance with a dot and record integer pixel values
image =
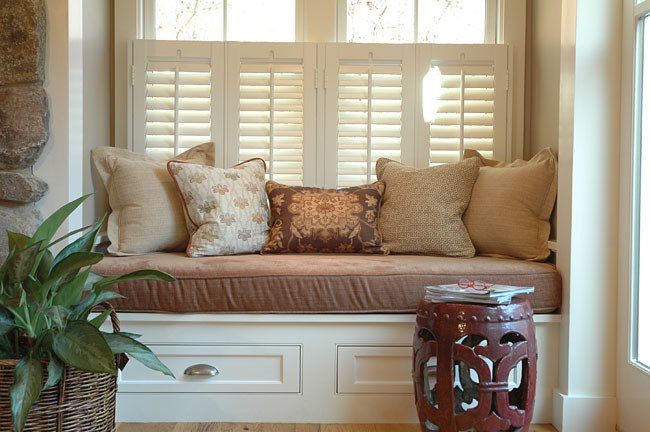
(81, 402)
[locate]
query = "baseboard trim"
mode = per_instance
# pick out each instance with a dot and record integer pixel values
(583, 413)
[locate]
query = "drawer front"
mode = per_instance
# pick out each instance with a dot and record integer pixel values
(374, 369)
(241, 369)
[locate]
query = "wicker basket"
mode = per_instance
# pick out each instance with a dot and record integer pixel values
(81, 401)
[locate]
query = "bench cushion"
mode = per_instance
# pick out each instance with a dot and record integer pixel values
(327, 283)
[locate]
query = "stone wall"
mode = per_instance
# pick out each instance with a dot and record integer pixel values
(24, 114)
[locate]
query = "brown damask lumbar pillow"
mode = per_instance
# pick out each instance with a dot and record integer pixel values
(423, 208)
(305, 219)
(511, 205)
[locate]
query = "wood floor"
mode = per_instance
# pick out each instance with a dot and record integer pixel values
(280, 427)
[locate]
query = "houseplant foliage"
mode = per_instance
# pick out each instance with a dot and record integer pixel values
(45, 305)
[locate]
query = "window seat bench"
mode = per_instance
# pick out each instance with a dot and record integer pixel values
(300, 338)
(321, 283)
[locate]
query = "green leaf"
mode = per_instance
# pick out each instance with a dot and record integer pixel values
(84, 243)
(131, 335)
(82, 310)
(46, 231)
(59, 315)
(82, 346)
(70, 293)
(70, 234)
(101, 318)
(32, 288)
(6, 321)
(54, 372)
(17, 241)
(137, 275)
(120, 343)
(25, 390)
(43, 270)
(21, 264)
(75, 261)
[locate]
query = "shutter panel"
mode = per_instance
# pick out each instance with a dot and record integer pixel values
(471, 107)
(178, 95)
(369, 110)
(465, 114)
(271, 112)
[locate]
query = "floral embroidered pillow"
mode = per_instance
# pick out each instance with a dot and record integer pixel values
(225, 209)
(315, 220)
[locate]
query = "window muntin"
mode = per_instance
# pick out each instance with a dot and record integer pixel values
(408, 21)
(240, 20)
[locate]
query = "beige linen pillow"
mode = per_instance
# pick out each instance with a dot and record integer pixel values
(226, 209)
(511, 205)
(423, 208)
(146, 213)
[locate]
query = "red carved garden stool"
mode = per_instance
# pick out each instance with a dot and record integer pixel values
(463, 355)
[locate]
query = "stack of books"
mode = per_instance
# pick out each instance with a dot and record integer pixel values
(493, 295)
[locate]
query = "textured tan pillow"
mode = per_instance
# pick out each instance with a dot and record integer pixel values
(313, 220)
(423, 208)
(146, 212)
(511, 204)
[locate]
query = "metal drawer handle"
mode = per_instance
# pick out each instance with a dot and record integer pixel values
(201, 370)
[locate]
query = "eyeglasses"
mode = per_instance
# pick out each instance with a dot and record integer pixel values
(477, 284)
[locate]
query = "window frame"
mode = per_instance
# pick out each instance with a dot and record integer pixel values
(491, 21)
(149, 20)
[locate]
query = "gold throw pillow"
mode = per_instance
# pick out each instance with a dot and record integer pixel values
(511, 205)
(146, 212)
(423, 208)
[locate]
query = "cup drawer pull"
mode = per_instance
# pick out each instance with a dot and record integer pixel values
(202, 370)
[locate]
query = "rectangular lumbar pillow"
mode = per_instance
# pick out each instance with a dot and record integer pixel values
(146, 213)
(511, 205)
(305, 219)
(226, 209)
(423, 208)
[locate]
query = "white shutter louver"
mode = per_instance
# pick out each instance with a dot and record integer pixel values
(178, 108)
(465, 113)
(271, 118)
(369, 119)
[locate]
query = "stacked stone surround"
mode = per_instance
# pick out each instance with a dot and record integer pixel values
(24, 114)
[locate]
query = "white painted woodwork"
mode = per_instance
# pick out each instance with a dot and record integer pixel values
(328, 344)
(374, 369)
(241, 369)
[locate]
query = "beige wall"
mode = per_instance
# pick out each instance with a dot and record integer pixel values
(543, 75)
(97, 83)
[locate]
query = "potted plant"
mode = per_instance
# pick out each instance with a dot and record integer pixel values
(49, 343)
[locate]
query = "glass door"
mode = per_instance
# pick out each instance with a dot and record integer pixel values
(633, 374)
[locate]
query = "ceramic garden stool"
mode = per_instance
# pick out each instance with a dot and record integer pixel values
(462, 358)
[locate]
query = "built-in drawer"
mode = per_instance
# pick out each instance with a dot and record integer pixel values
(374, 369)
(238, 368)
(387, 370)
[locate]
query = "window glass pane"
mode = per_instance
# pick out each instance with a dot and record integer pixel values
(189, 19)
(643, 185)
(261, 20)
(382, 21)
(451, 21)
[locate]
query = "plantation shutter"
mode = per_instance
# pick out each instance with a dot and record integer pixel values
(178, 96)
(271, 110)
(369, 110)
(471, 106)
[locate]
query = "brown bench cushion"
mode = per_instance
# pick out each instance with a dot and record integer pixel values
(325, 283)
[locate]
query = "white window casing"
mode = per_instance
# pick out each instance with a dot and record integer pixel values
(271, 108)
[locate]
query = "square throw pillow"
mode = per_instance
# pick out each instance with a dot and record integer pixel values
(305, 219)
(511, 205)
(226, 209)
(146, 213)
(423, 208)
